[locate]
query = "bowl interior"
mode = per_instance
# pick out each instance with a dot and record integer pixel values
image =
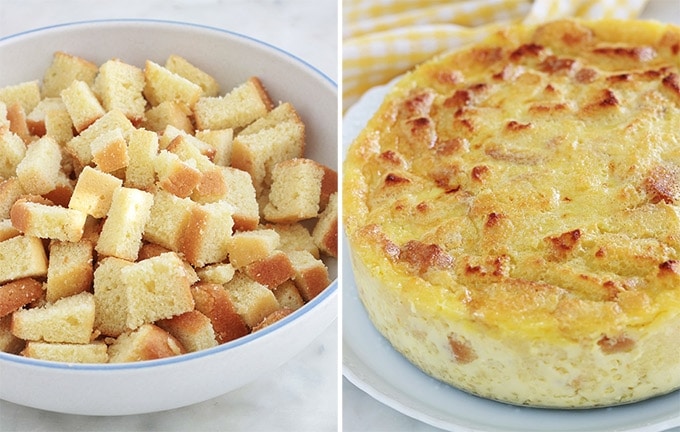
(231, 58)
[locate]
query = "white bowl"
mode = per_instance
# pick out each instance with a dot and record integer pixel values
(143, 387)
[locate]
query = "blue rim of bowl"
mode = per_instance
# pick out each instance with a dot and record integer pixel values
(172, 23)
(326, 294)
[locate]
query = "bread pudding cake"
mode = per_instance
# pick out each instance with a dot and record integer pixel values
(513, 214)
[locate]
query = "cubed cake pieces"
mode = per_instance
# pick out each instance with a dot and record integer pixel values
(70, 269)
(35, 217)
(252, 300)
(192, 329)
(241, 106)
(38, 171)
(16, 294)
(63, 70)
(121, 234)
(67, 320)
(94, 352)
(131, 294)
(300, 189)
(148, 342)
(93, 192)
(143, 214)
(214, 302)
(22, 256)
(119, 85)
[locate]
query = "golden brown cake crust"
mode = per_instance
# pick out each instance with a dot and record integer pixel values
(526, 190)
(18, 293)
(214, 302)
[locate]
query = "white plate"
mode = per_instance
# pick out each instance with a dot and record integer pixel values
(370, 363)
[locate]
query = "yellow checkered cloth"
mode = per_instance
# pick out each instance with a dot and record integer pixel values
(384, 38)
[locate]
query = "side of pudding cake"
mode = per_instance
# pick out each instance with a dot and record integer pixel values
(513, 214)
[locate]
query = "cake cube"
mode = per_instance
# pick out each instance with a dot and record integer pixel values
(168, 113)
(214, 302)
(272, 270)
(109, 151)
(176, 176)
(68, 320)
(80, 146)
(95, 352)
(297, 191)
(246, 247)
(241, 195)
(12, 152)
(163, 85)
(157, 288)
(244, 104)
(22, 256)
(171, 134)
(311, 274)
(18, 293)
(47, 221)
(8, 342)
(7, 230)
(294, 236)
(288, 295)
(38, 171)
(93, 192)
(69, 269)
(129, 294)
(212, 187)
(142, 149)
(189, 148)
(63, 70)
(148, 342)
(26, 94)
(82, 104)
(218, 273)
(119, 86)
(284, 112)
(192, 329)
(35, 120)
(169, 217)
(59, 126)
(111, 297)
(221, 141)
(206, 237)
(10, 191)
(325, 232)
(252, 300)
(16, 116)
(182, 67)
(257, 153)
(121, 234)
(62, 192)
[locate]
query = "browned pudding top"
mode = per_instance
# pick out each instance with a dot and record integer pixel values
(532, 180)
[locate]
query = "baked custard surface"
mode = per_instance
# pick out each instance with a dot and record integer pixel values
(513, 214)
